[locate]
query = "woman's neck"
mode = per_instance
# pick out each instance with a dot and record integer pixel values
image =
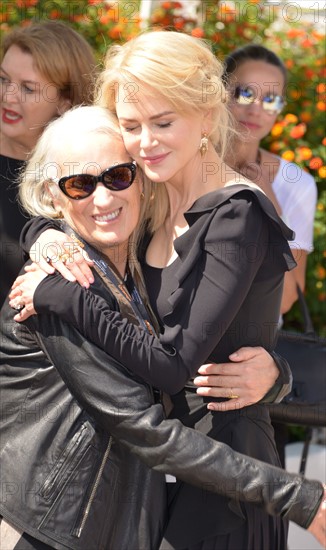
(201, 176)
(244, 153)
(118, 257)
(13, 149)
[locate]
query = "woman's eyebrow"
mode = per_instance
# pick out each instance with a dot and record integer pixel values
(159, 115)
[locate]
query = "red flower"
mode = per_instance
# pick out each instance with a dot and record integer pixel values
(298, 131)
(315, 163)
(197, 32)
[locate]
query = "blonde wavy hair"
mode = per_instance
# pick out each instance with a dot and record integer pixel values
(181, 69)
(36, 180)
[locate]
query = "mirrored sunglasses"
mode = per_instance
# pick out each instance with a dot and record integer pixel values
(115, 178)
(272, 104)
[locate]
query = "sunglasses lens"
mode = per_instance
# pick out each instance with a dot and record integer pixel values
(273, 104)
(118, 178)
(244, 96)
(79, 187)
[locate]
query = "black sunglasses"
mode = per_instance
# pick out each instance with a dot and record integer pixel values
(272, 104)
(115, 178)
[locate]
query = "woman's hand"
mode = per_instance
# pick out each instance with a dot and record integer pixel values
(22, 292)
(244, 382)
(318, 525)
(55, 250)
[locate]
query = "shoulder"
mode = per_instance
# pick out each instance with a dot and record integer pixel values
(10, 168)
(243, 203)
(292, 179)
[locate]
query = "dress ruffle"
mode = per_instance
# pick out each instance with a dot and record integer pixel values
(191, 244)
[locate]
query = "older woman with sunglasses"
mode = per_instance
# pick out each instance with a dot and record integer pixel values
(75, 422)
(257, 81)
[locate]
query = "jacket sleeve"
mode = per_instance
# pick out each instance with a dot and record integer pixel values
(123, 406)
(170, 361)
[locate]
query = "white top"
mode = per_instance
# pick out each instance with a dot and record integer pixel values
(296, 193)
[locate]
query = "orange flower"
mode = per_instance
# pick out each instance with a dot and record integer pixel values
(315, 163)
(304, 153)
(322, 172)
(309, 73)
(197, 32)
(171, 5)
(306, 43)
(321, 105)
(275, 146)
(277, 129)
(321, 88)
(321, 272)
(115, 32)
(288, 155)
(305, 116)
(317, 35)
(324, 141)
(289, 63)
(179, 24)
(293, 33)
(290, 118)
(298, 131)
(55, 14)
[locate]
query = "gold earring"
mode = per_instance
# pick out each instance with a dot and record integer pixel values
(203, 147)
(58, 215)
(142, 195)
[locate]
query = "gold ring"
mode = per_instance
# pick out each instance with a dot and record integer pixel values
(64, 258)
(232, 395)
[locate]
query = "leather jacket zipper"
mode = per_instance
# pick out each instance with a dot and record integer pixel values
(78, 531)
(64, 466)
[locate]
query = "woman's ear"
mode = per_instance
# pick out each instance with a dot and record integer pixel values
(63, 105)
(52, 189)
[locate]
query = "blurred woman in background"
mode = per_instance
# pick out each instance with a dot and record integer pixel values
(46, 69)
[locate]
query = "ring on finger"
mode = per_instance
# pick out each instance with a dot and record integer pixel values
(18, 306)
(48, 259)
(65, 257)
(233, 395)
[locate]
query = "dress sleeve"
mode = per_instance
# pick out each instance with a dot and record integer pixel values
(203, 300)
(100, 386)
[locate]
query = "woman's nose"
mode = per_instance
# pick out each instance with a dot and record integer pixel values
(10, 92)
(256, 106)
(102, 195)
(147, 138)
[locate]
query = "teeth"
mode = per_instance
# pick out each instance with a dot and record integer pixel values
(108, 217)
(12, 116)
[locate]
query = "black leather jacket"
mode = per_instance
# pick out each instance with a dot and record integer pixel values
(79, 435)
